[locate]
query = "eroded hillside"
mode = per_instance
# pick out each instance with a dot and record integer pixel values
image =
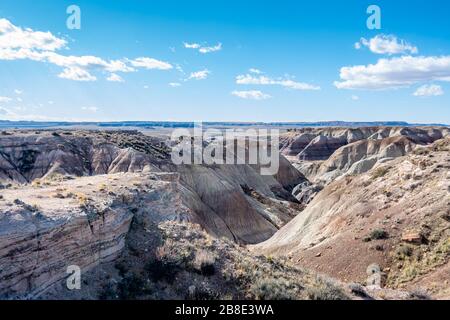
(396, 215)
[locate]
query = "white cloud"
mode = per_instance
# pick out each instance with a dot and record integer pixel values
(17, 91)
(203, 49)
(429, 90)
(251, 94)
(191, 45)
(215, 48)
(17, 43)
(5, 99)
(355, 98)
(12, 37)
(146, 87)
(174, 84)
(263, 80)
(387, 44)
(395, 73)
(90, 109)
(199, 75)
(150, 63)
(254, 70)
(76, 74)
(114, 78)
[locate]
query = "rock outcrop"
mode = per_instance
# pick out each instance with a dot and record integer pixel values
(81, 222)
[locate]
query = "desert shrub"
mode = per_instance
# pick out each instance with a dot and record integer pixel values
(377, 234)
(131, 287)
(121, 267)
(162, 270)
(421, 151)
(107, 292)
(166, 264)
(273, 289)
(325, 290)
(59, 195)
(82, 199)
(202, 293)
(204, 262)
(405, 251)
(379, 172)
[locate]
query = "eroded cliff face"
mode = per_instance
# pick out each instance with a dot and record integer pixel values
(26, 156)
(45, 228)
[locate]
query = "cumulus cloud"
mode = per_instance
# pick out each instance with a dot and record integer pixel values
(251, 94)
(114, 78)
(17, 91)
(387, 44)
(76, 74)
(248, 79)
(395, 73)
(174, 84)
(150, 63)
(12, 37)
(203, 49)
(429, 91)
(199, 75)
(17, 44)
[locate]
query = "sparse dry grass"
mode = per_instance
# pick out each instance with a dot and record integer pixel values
(379, 172)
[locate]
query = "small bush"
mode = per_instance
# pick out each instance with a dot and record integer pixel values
(162, 270)
(107, 293)
(379, 172)
(378, 234)
(202, 293)
(131, 287)
(167, 263)
(273, 289)
(405, 251)
(325, 290)
(204, 262)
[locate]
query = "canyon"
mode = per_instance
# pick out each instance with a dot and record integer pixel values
(113, 203)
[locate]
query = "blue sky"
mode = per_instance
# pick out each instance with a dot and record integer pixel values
(261, 61)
